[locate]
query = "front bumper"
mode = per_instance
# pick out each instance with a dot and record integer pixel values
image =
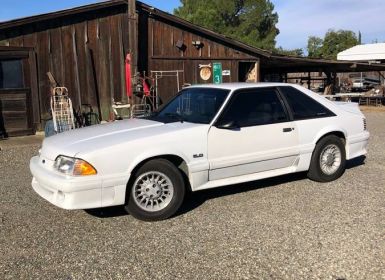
(70, 192)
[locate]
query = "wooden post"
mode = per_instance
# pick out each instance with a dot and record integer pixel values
(328, 77)
(334, 81)
(133, 39)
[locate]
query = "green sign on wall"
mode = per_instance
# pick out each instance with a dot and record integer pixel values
(217, 73)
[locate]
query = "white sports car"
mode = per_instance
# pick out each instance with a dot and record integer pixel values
(207, 136)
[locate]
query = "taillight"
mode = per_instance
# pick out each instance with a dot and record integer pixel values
(364, 120)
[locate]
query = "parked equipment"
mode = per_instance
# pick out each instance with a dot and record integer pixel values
(86, 116)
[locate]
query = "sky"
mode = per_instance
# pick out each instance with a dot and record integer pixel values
(298, 19)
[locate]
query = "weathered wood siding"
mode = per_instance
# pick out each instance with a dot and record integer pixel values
(163, 55)
(85, 52)
(67, 47)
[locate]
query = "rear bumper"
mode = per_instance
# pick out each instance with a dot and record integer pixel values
(77, 192)
(357, 145)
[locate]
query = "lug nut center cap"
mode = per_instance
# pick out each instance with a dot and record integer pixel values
(153, 190)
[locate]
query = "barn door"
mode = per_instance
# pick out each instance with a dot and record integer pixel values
(18, 92)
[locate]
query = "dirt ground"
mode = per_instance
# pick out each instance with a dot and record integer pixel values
(372, 108)
(282, 228)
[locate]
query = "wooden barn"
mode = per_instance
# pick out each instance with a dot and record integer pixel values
(85, 48)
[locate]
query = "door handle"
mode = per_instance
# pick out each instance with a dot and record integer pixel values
(288, 129)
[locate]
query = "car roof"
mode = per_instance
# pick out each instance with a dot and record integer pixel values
(234, 86)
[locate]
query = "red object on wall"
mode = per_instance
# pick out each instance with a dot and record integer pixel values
(146, 88)
(128, 76)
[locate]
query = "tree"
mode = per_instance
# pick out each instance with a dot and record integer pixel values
(333, 43)
(337, 41)
(250, 21)
(359, 38)
(314, 47)
(293, 52)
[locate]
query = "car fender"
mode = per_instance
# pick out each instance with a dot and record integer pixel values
(151, 153)
(327, 130)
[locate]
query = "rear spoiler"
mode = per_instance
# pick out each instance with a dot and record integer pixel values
(351, 107)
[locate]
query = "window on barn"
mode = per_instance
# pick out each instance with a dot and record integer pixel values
(11, 74)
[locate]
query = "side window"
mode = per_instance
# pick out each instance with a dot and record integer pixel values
(303, 106)
(254, 107)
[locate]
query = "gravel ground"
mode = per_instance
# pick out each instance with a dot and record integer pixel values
(282, 228)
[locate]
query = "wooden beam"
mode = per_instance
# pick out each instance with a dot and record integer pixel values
(165, 57)
(133, 38)
(34, 99)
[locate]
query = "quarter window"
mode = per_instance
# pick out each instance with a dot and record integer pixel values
(254, 107)
(303, 106)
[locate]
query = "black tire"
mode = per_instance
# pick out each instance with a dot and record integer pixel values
(172, 173)
(315, 172)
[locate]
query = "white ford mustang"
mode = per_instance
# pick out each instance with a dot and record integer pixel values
(207, 136)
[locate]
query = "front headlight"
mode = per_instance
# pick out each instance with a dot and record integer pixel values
(73, 166)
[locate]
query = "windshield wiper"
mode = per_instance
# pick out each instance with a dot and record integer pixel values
(175, 116)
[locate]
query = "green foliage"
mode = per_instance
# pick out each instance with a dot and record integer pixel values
(359, 38)
(333, 43)
(293, 52)
(250, 21)
(314, 46)
(338, 41)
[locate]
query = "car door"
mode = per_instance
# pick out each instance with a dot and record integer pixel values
(309, 115)
(253, 134)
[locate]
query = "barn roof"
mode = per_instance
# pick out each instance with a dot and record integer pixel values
(271, 61)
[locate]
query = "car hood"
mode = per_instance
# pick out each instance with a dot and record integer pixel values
(72, 142)
(128, 134)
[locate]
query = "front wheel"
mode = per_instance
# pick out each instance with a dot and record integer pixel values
(328, 160)
(156, 192)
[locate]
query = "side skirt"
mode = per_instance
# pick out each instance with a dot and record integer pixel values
(245, 178)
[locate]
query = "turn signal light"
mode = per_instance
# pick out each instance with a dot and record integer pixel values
(83, 168)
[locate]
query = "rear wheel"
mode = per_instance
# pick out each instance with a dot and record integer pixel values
(328, 160)
(156, 192)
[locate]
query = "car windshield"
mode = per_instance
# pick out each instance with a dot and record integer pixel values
(195, 105)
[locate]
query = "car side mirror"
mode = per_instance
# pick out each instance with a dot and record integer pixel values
(232, 125)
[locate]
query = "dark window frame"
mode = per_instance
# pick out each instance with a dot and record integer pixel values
(290, 109)
(245, 90)
(19, 81)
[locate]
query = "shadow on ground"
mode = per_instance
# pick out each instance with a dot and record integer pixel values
(355, 162)
(195, 199)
